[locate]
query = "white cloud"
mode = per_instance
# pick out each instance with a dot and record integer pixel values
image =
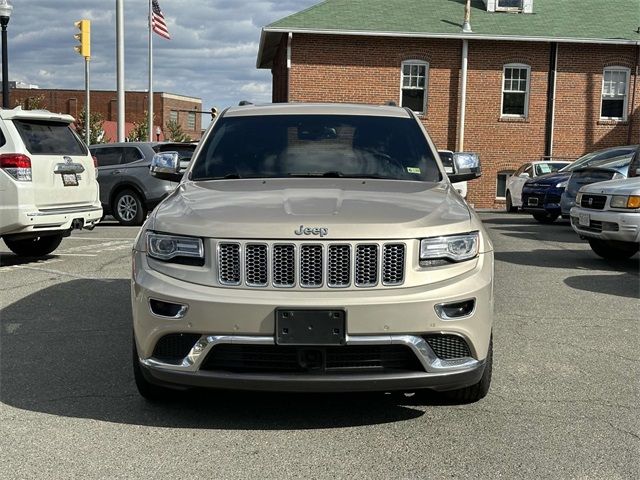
(212, 53)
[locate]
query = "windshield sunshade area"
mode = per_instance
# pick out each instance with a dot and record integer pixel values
(283, 146)
(49, 138)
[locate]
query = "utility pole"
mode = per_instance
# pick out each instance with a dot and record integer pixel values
(84, 49)
(120, 66)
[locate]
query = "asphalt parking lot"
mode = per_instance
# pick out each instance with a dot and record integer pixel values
(564, 402)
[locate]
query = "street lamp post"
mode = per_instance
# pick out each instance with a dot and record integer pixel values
(5, 13)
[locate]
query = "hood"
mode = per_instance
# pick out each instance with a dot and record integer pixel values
(329, 208)
(623, 186)
(549, 178)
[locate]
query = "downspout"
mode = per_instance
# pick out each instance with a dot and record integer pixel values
(463, 94)
(289, 37)
(551, 100)
(633, 95)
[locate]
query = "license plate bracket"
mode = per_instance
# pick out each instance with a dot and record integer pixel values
(69, 179)
(584, 219)
(533, 201)
(310, 327)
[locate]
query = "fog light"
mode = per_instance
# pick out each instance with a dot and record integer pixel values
(455, 310)
(167, 309)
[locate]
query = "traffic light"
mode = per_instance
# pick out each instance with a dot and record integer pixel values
(214, 113)
(84, 37)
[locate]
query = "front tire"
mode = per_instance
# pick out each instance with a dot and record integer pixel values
(613, 250)
(478, 391)
(544, 217)
(34, 247)
(128, 208)
(148, 390)
(509, 204)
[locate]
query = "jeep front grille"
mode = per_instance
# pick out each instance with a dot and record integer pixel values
(288, 265)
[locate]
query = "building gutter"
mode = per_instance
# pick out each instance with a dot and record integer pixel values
(633, 96)
(551, 100)
(463, 94)
(289, 38)
(457, 36)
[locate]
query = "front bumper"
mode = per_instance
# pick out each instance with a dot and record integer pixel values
(607, 224)
(374, 317)
(547, 200)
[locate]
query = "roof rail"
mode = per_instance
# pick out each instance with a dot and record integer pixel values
(391, 103)
(242, 103)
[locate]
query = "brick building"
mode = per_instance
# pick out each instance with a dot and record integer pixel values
(167, 106)
(545, 78)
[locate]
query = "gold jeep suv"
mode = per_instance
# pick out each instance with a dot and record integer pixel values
(314, 247)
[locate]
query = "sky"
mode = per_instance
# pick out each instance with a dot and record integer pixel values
(212, 53)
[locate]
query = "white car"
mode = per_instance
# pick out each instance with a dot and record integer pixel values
(513, 190)
(607, 214)
(47, 181)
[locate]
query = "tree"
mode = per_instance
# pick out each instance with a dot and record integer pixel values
(33, 103)
(96, 129)
(175, 133)
(140, 130)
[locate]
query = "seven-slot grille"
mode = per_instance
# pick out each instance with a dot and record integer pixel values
(285, 265)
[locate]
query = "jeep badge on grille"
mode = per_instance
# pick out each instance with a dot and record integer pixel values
(322, 231)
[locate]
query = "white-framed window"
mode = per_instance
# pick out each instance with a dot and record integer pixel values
(515, 90)
(509, 5)
(413, 86)
(615, 90)
(173, 115)
(191, 121)
(501, 183)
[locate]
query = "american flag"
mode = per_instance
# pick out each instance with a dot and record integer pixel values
(158, 24)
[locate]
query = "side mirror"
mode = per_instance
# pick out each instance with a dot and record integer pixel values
(166, 166)
(524, 175)
(466, 166)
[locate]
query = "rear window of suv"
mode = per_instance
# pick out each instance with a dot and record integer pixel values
(281, 146)
(43, 137)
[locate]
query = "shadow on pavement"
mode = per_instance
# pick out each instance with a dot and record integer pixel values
(66, 351)
(627, 285)
(11, 260)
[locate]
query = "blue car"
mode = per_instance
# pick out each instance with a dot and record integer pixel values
(542, 196)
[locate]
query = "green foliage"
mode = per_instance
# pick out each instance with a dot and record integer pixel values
(96, 129)
(140, 131)
(33, 103)
(174, 132)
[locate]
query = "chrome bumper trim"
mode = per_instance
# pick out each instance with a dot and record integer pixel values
(64, 211)
(422, 350)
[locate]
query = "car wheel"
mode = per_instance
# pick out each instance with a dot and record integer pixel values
(613, 251)
(478, 391)
(148, 390)
(544, 217)
(34, 247)
(128, 208)
(509, 207)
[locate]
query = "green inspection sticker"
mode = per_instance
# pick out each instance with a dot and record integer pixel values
(413, 170)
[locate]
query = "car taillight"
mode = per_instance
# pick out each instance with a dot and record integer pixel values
(95, 164)
(16, 165)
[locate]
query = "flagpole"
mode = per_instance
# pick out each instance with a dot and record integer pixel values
(150, 74)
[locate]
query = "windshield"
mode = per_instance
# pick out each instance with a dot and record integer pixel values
(276, 146)
(594, 157)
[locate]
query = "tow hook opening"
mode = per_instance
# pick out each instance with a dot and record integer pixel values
(167, 309)
(456, 310)
(77, 224)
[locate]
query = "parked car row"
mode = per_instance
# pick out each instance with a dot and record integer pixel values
(599, 193)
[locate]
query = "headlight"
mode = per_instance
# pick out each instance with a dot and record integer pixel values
(457, 248)
(562, 184)
(623, 201)
(168, 247)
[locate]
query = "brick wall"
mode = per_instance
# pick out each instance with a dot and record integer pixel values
(358, 69)
(105, 103)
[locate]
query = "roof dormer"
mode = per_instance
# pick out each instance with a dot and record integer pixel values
(517, 6)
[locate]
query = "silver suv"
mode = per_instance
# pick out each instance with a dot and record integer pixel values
(127, 190)
(314, 248)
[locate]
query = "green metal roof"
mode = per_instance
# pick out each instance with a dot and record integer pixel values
(593, 21)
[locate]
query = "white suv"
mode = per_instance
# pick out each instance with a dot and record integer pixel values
(47, 181)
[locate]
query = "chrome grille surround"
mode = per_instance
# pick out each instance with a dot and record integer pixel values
(256, 266)
(367, 265)
(229, 264)
(393, 264)
(310, 265)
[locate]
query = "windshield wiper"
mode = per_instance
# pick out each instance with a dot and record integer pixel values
(331, 174)
(228, 176)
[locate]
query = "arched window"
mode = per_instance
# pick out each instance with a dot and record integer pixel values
(413, 87)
